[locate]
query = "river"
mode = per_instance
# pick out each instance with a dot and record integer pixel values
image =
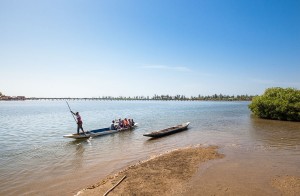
(36, 159)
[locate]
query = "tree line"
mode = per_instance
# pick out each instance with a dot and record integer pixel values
(215, 97)
(165, 97)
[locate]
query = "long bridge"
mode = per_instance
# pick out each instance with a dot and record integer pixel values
(142, 98)
(106, 99)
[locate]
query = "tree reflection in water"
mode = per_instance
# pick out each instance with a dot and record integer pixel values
(279, 134)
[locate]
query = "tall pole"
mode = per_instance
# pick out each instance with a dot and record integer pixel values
(71, 112)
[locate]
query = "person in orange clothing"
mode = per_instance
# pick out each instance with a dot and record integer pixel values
(126, 123)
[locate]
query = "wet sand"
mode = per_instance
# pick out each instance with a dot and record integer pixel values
(288, 185)
(196, 170)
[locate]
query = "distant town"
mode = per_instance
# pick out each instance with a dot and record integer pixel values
(215, 97)
(11, 98)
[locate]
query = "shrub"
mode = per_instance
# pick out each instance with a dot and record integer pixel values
(277, 103)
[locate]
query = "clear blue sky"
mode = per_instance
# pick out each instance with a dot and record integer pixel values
(84, 48)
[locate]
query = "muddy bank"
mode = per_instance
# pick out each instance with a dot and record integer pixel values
(165, 174)
(188, 171)
(288, 185)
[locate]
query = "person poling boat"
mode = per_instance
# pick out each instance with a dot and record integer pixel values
(97, 132)
(100, 132)
(79, 122)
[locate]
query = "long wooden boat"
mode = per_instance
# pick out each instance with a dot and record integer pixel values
(97, 132)
(168, 131)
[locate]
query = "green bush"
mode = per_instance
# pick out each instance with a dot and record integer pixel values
(277, 103)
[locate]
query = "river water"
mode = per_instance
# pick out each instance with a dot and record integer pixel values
(37, 160)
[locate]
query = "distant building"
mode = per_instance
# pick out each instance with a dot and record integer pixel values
(9, 98)
(5, 98)
(21, 97)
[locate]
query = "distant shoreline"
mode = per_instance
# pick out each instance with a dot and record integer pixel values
(96, 99)
(125, 99)
(214, 97)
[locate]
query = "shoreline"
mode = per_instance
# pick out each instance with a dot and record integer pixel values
(195, 170)
(164, 174)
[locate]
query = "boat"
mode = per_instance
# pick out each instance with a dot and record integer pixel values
(168, 131)
(97, 132)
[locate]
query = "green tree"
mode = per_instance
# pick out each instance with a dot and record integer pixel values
(277, 103)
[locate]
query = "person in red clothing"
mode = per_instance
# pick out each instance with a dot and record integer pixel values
(125, 122)
(79, 122)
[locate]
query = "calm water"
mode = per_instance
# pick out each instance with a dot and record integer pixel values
(36, 159)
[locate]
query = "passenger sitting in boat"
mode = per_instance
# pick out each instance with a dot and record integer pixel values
(112, 126)
(120, 124)
(126, 123)
(132, 122)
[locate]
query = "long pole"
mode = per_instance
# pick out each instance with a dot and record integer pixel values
(114, 186)
(71, 112)
(74, 116)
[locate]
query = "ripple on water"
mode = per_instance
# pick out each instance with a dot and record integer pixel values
(36, 159)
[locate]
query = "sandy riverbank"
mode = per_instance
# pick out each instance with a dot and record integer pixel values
(177, 173)
(164, 174)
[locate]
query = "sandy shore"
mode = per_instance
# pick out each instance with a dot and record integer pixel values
(288, 185)
(164, 174)
(180, 172)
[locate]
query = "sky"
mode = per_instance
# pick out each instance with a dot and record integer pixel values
(95, 48)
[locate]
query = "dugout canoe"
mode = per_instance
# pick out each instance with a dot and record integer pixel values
(168, 131)
(97, 132)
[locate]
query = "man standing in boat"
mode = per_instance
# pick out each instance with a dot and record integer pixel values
(79, 122)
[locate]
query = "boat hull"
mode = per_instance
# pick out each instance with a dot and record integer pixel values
(168, 131)
(97, 132)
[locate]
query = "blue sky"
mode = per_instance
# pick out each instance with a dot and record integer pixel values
(76, 48)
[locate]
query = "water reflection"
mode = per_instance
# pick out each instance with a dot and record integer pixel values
(42, 151)
(279, 134)
(78, 155)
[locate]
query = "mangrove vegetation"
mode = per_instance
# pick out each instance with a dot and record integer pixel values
(278, 104)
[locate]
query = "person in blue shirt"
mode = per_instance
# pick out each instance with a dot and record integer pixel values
(112, 126)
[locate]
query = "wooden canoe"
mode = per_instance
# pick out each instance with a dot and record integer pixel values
(97, 132)
(168, 131)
